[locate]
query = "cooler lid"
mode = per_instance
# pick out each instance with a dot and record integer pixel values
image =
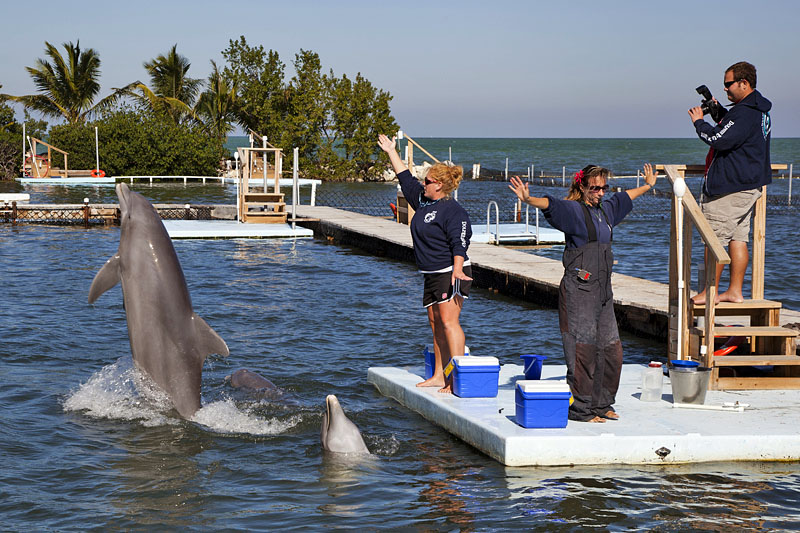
(475, 360)
(549, 385)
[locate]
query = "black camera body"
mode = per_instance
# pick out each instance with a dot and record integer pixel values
(710, 106)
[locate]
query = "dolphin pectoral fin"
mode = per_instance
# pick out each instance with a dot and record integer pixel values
(106, 277)
(207, 340)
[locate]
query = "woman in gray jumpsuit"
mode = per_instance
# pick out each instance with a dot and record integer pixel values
(592, 349)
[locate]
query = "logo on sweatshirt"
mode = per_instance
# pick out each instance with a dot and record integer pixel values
(429, 217)
(766, 124)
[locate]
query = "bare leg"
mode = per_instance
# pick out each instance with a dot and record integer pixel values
(740, 257)
(700, 297)
(448, 314)
(439, 347)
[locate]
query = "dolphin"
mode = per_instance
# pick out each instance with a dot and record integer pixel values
(169, 341)
(247, 379)
(338, 433)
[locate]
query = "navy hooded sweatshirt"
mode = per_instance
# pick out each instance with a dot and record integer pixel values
(740, 146)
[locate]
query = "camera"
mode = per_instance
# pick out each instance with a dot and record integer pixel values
(710, 106)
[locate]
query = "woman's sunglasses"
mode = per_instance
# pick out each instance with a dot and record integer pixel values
(428, 182)
(596, 188)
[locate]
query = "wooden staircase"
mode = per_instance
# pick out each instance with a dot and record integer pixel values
(767, 345)
(767, 356)
(260, 205)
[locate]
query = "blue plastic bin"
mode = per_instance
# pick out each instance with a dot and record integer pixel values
(475, 377)
(533, 365)
(430, 359)
(542, 407)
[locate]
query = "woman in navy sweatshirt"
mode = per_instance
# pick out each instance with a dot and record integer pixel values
(440, 231)
(592, 349)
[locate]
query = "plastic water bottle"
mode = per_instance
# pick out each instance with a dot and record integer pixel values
(652, 382)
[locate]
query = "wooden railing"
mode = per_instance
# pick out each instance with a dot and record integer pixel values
(34, 145)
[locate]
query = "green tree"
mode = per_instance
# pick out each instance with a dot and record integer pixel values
(68, 85)
(135, 142)
(171, 90)
(258, 75)
(217, 107)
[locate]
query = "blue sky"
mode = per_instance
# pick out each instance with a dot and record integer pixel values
(458, 69)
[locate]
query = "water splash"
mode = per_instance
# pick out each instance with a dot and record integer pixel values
(224, 416)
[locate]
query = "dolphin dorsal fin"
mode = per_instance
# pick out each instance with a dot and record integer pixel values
(106, 277)
(207, 341)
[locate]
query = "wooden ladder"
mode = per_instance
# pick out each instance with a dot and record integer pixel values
(261, 206)
(768, 345)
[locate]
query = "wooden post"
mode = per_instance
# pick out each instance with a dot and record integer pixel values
(14, 213)
(759, 245)
(711, 296)
(86, 213)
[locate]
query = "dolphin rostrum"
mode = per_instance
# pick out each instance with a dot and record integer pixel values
(338, 433)
(169, 341)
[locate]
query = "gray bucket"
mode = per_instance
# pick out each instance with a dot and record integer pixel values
(689, 386)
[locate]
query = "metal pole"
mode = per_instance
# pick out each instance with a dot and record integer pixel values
(23, 150)
(295, 186)
(450, 153)
(563, 176)
(506, 169)
(238, 198)
(790, 182)
(264, 160)
(96, 152)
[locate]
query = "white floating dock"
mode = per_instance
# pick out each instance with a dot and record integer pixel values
(66, 181)
(231, 229)
(647, 432)
(516, 234)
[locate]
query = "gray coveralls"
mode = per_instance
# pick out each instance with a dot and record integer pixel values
(592, 348)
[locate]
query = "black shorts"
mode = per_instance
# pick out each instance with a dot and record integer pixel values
(438, 289)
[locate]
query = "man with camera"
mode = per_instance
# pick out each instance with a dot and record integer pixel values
(737, 167)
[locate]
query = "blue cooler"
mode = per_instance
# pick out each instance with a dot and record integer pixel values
(475, 377)
(542, 404)
(430, 359)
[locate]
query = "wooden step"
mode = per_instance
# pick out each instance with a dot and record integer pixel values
(263, 197)
(761, 312)
(266, 218)
(756, 383)
(748, 331)
(757, 360)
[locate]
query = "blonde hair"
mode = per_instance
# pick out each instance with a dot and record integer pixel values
(448, 175)
(582, 178)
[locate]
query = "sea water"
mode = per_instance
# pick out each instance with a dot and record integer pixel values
(89, 444)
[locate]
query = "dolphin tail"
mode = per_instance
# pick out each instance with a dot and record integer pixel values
(208, 341)
(106, 277)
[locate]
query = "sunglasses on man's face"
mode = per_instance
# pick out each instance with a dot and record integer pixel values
(597, 188)
(728, 84)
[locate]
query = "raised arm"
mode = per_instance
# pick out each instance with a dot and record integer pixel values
(523, 193)
(389, 146)
(649, 183)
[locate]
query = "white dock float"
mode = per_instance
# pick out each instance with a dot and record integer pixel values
(231, 229)
(66, 181)
(7, 198)
(647, 432)
(516, 234)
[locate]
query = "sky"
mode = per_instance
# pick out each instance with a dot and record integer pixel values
(457, 68)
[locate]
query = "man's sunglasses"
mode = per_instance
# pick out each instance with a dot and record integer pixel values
(596, 188)
(728, 84)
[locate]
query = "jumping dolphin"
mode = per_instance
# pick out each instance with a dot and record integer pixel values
(338, 433)
(169, 341)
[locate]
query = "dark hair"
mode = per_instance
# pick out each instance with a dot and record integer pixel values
(582, 178)
(743, 71)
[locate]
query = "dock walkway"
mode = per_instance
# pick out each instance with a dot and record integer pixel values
(641, 305)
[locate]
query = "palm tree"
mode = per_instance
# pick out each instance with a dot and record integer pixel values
(68, 85)
(171, 90)
(218, 106)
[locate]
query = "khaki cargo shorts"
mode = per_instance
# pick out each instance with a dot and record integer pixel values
(729, 214)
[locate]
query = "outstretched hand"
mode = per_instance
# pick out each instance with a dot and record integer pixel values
(520, 188)
(649, 175)
(386, 144)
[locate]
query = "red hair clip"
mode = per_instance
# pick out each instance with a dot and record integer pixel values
(579, 176)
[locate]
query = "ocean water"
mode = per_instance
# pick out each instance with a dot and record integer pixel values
(89, 445)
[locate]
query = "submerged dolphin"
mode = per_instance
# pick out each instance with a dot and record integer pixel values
(338, 433)
(169, 341)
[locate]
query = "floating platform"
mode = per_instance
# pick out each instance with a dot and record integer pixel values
(67, 181)
(516, 234)
(231, 229)
(646, 433)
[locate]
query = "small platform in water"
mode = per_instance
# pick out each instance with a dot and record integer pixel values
(231, 229)
(647, 432)
(88, 180)
(516, 234)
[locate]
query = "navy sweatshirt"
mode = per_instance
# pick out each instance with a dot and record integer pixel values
(440, 230)
(567, 216)
(740, 144)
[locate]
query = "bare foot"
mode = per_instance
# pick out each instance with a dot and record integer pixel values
(447, 389)
(699, 299)
(729, 296)
(435, 381)
(611, 415)
(597, 420)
